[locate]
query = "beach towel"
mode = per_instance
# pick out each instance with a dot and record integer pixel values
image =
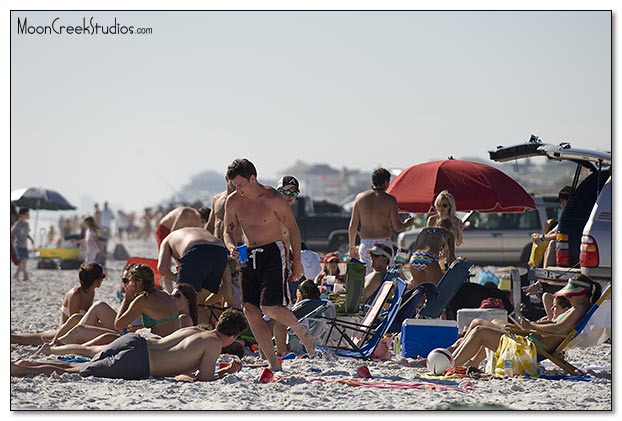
(462, 387)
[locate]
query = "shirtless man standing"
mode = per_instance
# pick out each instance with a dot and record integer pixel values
(183, 216)
(376, 211)
(216, 221)
(202, 260)
(133, 357)
(259, 211)
(216, 225)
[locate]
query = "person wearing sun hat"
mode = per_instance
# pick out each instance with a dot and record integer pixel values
(577, 285)
(580, 290)
(380, 256)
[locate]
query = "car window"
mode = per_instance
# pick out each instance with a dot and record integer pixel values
(505, 221)
(523, 221)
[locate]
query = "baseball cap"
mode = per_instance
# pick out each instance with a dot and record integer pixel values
(287, 182)
(381, 250)
(331, 257)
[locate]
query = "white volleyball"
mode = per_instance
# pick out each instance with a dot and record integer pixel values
(439, 360)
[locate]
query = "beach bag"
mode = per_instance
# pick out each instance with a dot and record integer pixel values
(518, 349)
(537, 252)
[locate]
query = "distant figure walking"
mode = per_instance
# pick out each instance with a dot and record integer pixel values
(93, 250)
(376, 212)
(20, 232)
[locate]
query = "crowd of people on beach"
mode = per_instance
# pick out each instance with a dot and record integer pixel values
(242, 268)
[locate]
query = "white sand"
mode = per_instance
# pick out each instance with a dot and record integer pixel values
(35, 306)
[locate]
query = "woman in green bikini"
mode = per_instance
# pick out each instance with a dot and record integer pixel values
(155, 308)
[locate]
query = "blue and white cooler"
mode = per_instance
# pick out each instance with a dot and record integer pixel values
(420, 336)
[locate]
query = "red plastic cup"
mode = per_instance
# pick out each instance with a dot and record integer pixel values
(266, 375)
(363, 372)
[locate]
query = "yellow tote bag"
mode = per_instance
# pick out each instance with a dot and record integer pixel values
(521, 351)
(537, 252)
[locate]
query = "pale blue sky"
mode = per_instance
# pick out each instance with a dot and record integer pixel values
(118, 117)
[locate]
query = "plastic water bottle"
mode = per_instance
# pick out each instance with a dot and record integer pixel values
(507, 368)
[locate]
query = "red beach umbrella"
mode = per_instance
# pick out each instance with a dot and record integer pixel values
(474, 186)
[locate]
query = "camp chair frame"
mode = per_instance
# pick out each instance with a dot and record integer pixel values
(367, 334)
(310, 309)
(557, 355)
(448, 286)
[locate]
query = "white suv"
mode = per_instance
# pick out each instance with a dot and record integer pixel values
(585, 223)
(595, 255)
(498, 238)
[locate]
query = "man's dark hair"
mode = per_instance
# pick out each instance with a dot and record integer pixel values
(564, 193)
(379, 177)
(23, 211)
(231, 322)
(204, 211)
(242, 167)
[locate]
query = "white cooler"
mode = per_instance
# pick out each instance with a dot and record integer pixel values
(466, 316)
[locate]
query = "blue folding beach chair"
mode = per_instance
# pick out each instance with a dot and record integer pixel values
(359, 340)
(456, 275)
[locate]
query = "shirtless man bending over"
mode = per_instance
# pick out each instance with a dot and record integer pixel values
(133, 357)
(259, 211)
(183, 216)
(202, 260)
(376, 212)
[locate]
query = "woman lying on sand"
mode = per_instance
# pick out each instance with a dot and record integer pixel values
(156, 309)
(77, 301)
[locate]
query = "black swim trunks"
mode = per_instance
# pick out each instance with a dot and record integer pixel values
(202, 266)
(127, 357)
(264, 279)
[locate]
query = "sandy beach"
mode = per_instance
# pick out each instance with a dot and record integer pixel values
(35, 305)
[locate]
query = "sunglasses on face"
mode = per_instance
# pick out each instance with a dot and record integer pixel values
(290, 193)
(444, 205)
(125, 280)
(177, 295)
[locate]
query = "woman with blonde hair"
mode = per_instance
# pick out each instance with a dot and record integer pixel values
(445, 207)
